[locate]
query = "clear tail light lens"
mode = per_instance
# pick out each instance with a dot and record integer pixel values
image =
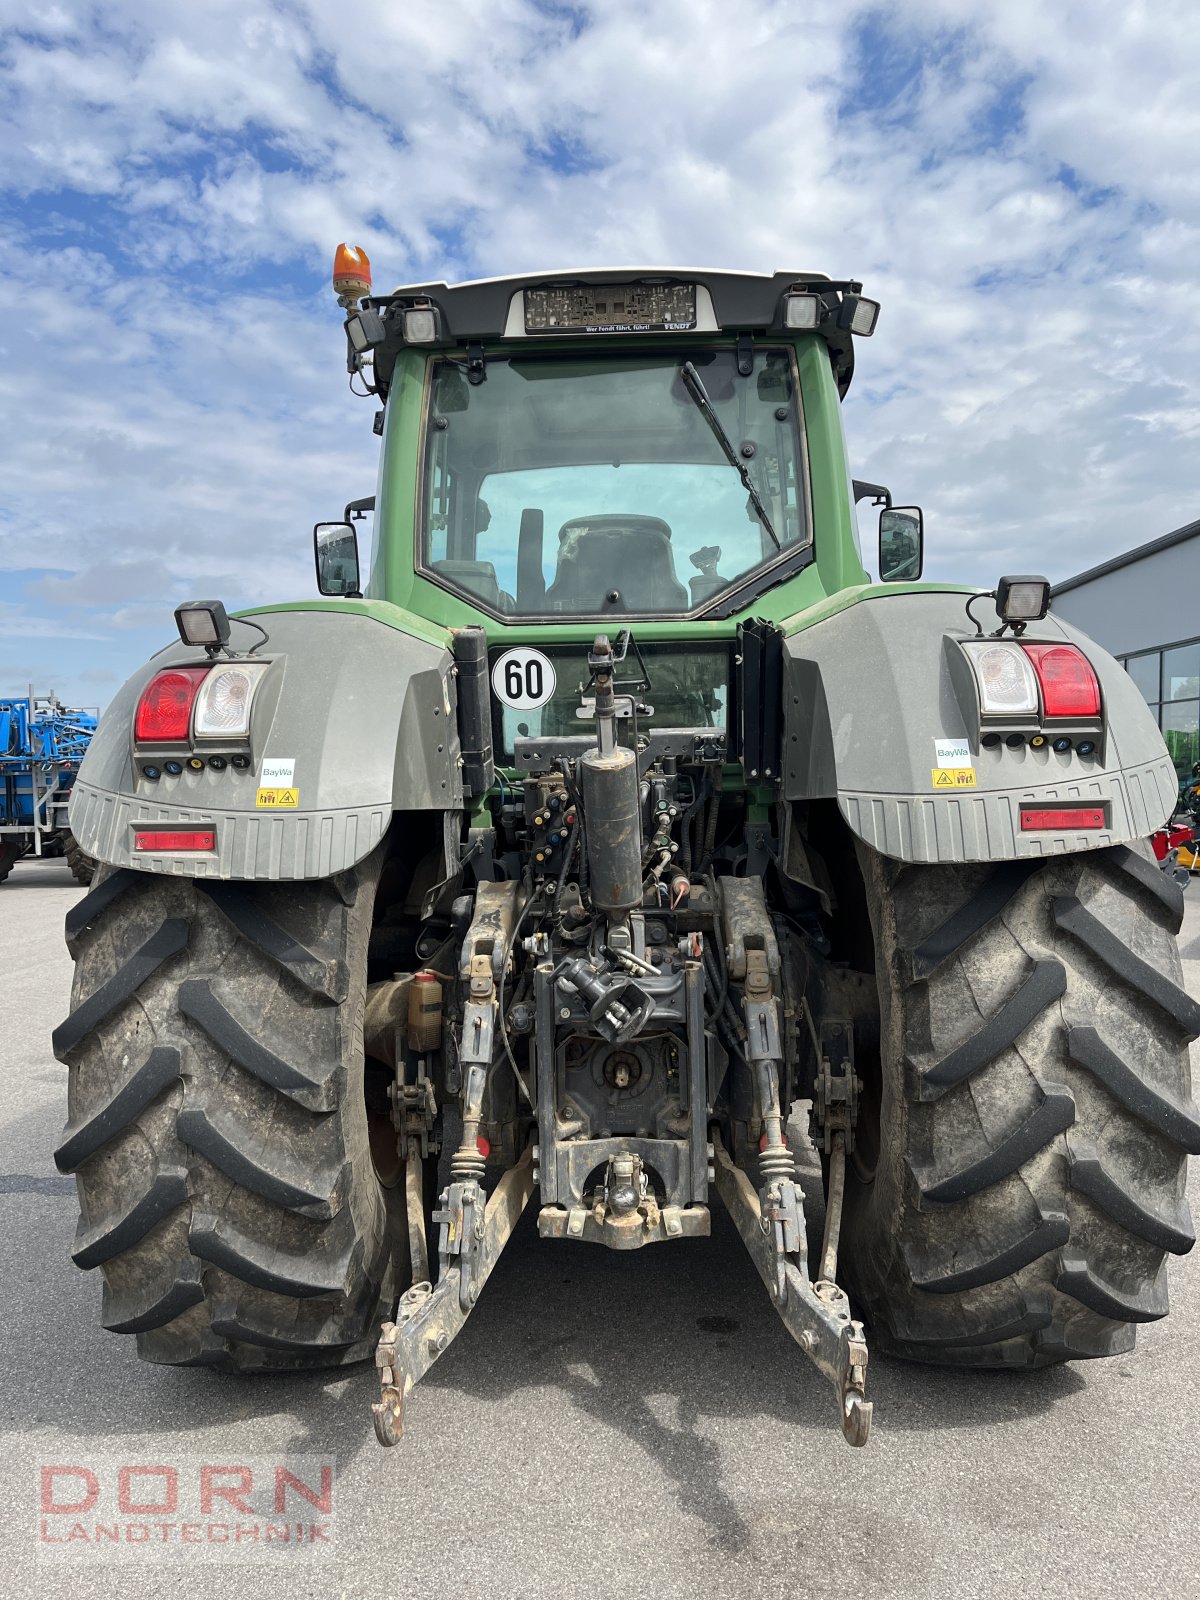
(164, 712)
(1069, 685)
(1007, 685)
(223, 704)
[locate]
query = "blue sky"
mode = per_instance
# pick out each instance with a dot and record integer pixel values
(1016, 182)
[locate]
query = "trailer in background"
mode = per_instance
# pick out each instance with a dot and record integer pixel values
(42, 743)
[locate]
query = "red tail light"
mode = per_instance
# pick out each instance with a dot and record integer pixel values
(164, 713)
(171, 839)
(1068, 817)
(1069, 686)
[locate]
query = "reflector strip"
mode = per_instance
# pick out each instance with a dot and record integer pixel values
(1070, 817)
(156, 839)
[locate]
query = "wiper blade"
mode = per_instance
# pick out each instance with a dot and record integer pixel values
(695, 388)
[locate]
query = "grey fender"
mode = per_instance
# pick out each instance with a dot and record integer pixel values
(868, 690)
(365, 712)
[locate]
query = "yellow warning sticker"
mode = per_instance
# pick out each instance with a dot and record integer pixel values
(277, 799)
(953, 777)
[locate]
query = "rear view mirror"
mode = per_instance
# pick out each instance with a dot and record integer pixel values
(336, 547)
(901, 544)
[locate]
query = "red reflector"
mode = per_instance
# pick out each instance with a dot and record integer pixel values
(483, 1146)
(1069, 686)
(164, 713)
(156, 839)
(1062, 817)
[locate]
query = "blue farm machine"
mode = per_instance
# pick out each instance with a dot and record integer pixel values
(42, 743)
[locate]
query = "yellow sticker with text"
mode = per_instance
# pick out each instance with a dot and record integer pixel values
(954, 777)
(277, 799)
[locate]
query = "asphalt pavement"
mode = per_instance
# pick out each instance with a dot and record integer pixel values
(606, 1425)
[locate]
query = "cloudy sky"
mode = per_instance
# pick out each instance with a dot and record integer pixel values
(1016, 180)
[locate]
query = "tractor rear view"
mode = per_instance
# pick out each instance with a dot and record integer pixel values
(678, 822)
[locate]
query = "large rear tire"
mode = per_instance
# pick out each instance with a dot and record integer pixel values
(1035, 1109)
(218, 1128)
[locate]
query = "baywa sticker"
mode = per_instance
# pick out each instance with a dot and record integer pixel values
(523, 679)
(952, 752)
(277, 772)
(953, 777)
(277, 799)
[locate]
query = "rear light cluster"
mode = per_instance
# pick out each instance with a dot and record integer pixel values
(1049, 683)
(180, 704)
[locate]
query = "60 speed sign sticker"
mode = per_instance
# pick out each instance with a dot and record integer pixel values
(523, 679)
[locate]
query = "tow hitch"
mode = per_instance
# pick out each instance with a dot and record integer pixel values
(472, 1235)
(817, 1315)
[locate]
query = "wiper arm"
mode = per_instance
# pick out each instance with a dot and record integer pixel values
(696, 389)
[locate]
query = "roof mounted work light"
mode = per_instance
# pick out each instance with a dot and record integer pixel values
(365, 330)
(203, 622)
(422, 325)
(858, 314)
(801, 310)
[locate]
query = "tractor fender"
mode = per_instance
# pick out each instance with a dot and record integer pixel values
(364, 713)
(868, 691)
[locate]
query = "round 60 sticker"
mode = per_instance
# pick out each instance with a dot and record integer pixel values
(523, 679)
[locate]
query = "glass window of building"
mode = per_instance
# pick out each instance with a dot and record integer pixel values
(1181, 730)
(1181, 673)
(1144, 672)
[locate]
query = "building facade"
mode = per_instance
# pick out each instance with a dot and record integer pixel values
(1144, 608)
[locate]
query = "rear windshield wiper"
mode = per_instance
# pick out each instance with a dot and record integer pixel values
(695, 388)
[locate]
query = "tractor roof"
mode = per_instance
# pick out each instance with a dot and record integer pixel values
(610, 301)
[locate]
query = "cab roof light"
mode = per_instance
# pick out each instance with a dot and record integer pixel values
(365, 330)
(1068, 682)
(858, 314)
(164, 711)
(422, 325)
(801, 310)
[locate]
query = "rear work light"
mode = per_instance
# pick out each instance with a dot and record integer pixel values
(1069, 685)
(164, 712)
(163, 839)
(1037, 818)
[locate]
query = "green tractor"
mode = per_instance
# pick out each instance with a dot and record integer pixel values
(609, 814)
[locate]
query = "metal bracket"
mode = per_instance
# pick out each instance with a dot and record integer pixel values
(838, 1086)
(817, 1315)
(429, 1317)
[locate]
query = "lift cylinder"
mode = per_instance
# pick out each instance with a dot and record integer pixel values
(612, 827)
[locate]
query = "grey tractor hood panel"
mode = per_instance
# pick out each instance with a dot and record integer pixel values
(867, 693)
(364, 713)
